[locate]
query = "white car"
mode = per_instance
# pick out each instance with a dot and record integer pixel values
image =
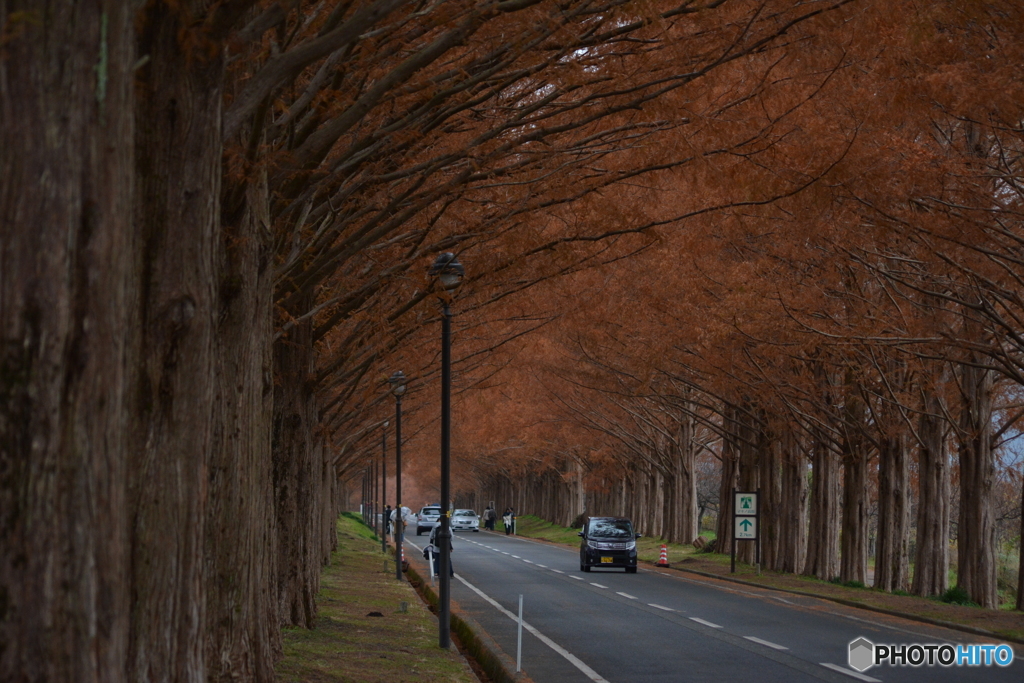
(465, 520)
(427, 518)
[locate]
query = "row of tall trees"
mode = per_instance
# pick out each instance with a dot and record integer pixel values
(853, 350)
(216, 220)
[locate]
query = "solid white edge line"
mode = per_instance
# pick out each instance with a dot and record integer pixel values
(848, 672)
(766, 643)
(626, 595)
(667, 609)
(597, 584)
(573, 659)
(706, 623)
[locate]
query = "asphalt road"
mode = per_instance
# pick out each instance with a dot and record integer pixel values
(664, 625)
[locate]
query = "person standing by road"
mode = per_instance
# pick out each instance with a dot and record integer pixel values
(432, 548)
(490, 516)
(506, 519)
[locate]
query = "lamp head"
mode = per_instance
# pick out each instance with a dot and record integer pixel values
(448, 271)
(397, 381)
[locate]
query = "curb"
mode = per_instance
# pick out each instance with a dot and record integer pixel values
(473, 639)
(853, 603)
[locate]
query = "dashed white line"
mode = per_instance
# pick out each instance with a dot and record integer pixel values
(766, 643)
(504, 553)
(597, 584)
(558, 571)
(527, 562)
(854, 674)
(667, 609)
(578, 578)
(543, 566)
(626, 595)
(586, 670)
(706, 623)
(517, 557)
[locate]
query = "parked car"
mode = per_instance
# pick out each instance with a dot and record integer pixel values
(427, 518)
(608, 542)
(465, 520)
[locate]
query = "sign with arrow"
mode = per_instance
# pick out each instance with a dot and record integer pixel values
(746, 528)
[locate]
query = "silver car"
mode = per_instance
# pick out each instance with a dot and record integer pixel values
(465, 520)
(427, 518)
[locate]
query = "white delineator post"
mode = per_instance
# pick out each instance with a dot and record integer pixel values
(519, 643)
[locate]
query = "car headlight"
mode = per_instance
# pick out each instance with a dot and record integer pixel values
(630, 545)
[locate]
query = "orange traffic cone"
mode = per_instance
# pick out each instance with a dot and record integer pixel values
(663, 561)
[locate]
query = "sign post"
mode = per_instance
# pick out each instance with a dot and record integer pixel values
(746, 522)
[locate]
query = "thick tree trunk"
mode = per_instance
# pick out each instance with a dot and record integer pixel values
(794, 507)
(67, 308)
(730, 478)
(297, 479)
(854, 538)
(241, 545)
(892, 570)
(931, 563)
(976, 528)
(178, 149)
(823, 531)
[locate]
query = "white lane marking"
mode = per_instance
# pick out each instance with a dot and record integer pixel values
(706, 623)
(578, 578)
(542, 566)
(667, 609)
(844, 670)
(517, 557)
(527, 562)
(573, 659)
(597, 584)
(625, 595)
(558, 571)
(766, 643)
(504, 553)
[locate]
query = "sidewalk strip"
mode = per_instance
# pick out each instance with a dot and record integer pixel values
(706, 623)
(848, 672)
(573, 659)
(766, 643)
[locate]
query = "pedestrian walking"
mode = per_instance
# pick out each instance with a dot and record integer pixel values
(490, 517)
(387, 520)
(506, 519)
(432, 547)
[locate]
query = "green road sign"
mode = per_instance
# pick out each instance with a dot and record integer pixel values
(746, 528)
(746, 504)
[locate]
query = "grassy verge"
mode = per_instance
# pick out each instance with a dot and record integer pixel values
(1006, 623)
(348, 645)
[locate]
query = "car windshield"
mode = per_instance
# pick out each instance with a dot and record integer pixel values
(465, 513)
(610, 528)
(430, 511)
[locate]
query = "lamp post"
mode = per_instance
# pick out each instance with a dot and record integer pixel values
(383, 487)
(449, 272)
(397, 381)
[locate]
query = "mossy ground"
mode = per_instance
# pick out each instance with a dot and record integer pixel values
(346, 644)
(1005, 622)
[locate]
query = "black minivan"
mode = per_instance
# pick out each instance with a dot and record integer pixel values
(608, 542)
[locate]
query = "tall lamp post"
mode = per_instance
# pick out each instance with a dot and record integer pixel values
(449, 272)
(383, 487)
(397, 381)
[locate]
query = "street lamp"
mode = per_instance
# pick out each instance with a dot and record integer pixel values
(449, 273)
(383, 487)
(397, 381)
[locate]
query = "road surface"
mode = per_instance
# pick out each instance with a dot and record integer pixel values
(668, 626)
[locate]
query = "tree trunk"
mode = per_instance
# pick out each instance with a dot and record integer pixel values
(931, 563)
(976, 528)
(67, 316)
(241, 546)
(854, 538)
(730, 477)
(793, 518)
(823, 531)
(178, 165)
(892, 571)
